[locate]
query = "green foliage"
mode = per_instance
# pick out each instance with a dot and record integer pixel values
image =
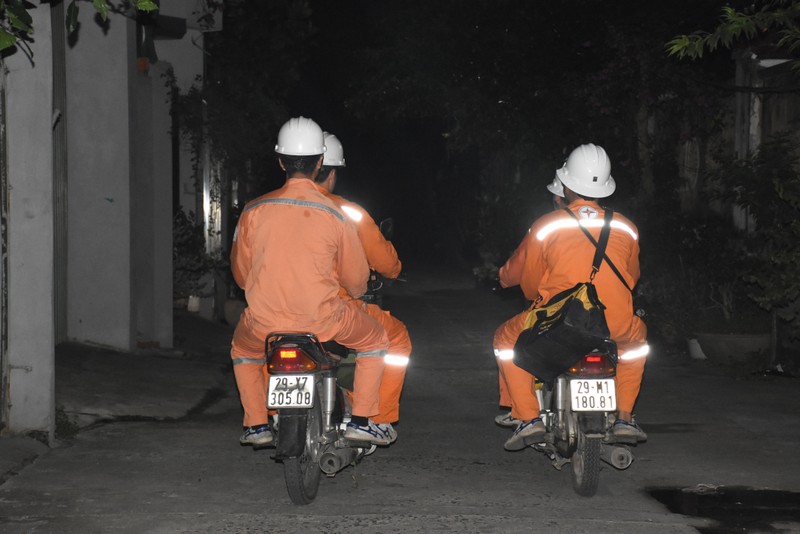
(190, 262)
(693, 276)
(16, 24)
(775, 20)
(705, 275)
(252, 68)
(767, 185)
(66, 427)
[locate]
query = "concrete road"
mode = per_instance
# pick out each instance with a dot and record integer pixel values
(448, 472)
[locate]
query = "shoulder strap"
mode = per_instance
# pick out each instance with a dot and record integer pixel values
(600, 253)
(602, 242)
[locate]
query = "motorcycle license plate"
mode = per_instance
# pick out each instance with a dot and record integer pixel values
(290, 391)
(593, 394)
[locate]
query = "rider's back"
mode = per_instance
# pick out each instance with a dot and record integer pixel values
(293, 250)
(560, 255)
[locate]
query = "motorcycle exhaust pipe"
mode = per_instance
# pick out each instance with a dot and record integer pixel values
(334, 460)
(618, 457)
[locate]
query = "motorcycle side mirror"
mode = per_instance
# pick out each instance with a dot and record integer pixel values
(387, 228)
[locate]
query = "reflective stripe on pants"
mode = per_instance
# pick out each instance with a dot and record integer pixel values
(521, 384)
(394, 372)
(355, 329)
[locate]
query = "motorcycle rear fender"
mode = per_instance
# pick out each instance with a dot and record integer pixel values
(291, 434)
(593, 422)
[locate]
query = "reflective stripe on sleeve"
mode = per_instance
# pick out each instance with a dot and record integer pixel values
(635, 354)
(399, 361)
(586, 223)
(239, 361)
(352, 213)
(505, 354)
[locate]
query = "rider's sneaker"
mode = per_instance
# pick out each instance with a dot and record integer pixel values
(388, 430)
(506, 419)
(379, 434)
(257, 436)
(625, 432)
(526, 434)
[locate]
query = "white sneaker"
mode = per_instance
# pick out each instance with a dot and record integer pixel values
(505, 419)
(258, 436)
(382, 434)
(388, 430)
(526, 434)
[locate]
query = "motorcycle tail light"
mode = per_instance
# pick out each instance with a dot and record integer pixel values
(290, 360)
(594, 364)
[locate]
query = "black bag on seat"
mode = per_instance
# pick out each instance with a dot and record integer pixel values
(572, 324)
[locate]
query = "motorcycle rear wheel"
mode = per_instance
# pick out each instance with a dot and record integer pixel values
(302, 474)
(586, 465)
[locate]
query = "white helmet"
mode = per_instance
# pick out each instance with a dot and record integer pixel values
(334, 153)
(557, 188)
(300, 137)
(587, 171)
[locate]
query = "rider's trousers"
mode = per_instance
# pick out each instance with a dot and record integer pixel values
(521, 384)
(354, 328)
(396, 361)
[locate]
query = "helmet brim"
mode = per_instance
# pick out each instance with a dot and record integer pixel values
(556, 188)
(584, 190)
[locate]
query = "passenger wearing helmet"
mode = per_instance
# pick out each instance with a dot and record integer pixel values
(557, 189)
(511, 272)
(382, 257)
(293, 249)
(556, 255)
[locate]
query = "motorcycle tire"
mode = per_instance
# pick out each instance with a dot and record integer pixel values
(302, 473)
(586, 465)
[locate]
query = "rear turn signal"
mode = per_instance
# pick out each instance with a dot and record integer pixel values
(290, 360)
(594, 364)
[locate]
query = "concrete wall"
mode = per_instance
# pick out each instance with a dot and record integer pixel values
(120, 182)
(119, 205)
(151, 207)
(99, 67)
(30, 234)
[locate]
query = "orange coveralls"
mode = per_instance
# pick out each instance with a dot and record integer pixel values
(382, 257)
(554, 256)
(292, 251)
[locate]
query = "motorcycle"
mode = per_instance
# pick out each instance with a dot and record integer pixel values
(578, 408)
(313, 412)
(308, 384)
